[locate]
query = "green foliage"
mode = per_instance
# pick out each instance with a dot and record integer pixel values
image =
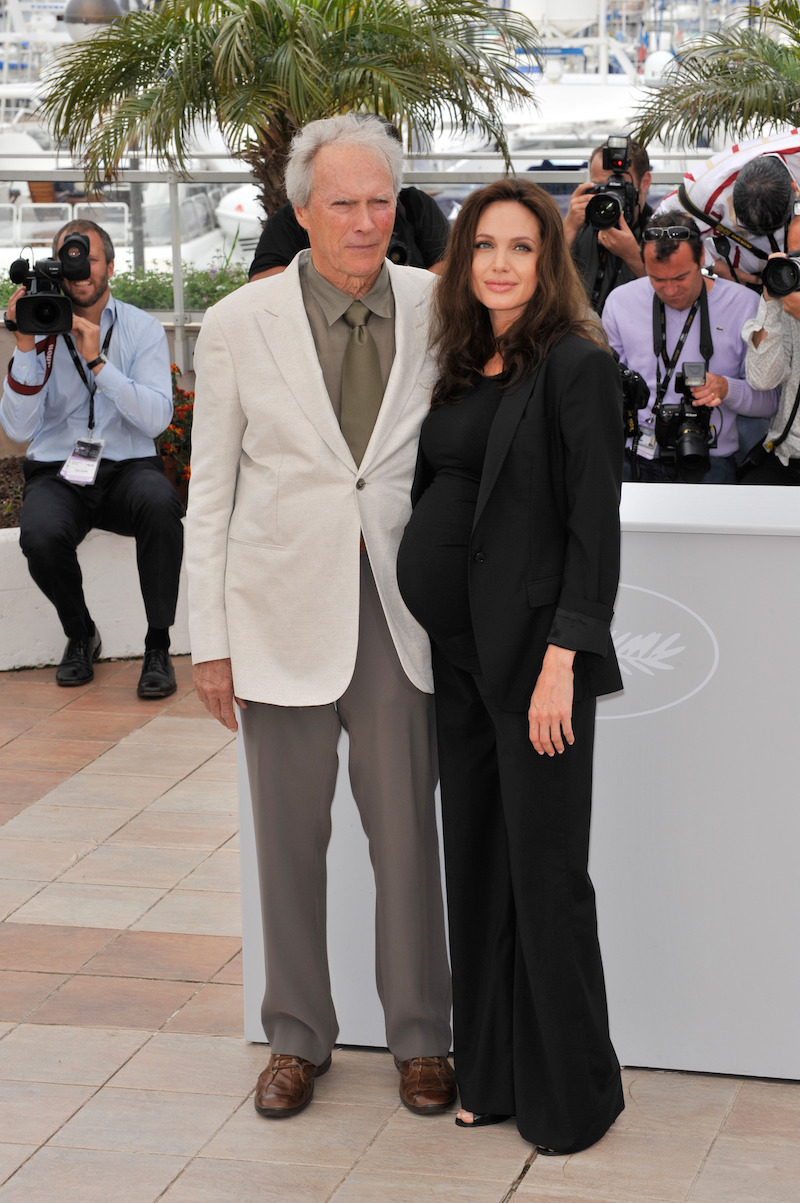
(153, 289)
(201, 288)
(739, 81)
(262, 68)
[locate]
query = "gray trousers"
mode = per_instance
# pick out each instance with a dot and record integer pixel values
(292, 765)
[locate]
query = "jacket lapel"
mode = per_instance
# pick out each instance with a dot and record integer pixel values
(410, 354)
(283, 322)
(507, 419)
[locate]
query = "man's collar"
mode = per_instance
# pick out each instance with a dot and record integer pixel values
(334, 303)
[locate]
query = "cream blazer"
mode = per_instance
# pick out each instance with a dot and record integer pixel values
(277, 504)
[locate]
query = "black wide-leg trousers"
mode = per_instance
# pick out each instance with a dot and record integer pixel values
(529, 1004)
(129, 497)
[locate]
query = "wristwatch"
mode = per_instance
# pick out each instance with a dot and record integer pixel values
(95, 363)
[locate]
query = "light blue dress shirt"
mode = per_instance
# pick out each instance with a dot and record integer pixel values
(132, 402)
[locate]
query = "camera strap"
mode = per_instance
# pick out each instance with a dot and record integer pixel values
(91, 384)
(660, 339)
(718, 226)
(48, 345)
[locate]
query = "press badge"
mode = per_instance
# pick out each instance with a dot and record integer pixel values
(646, 447)
(80, 467)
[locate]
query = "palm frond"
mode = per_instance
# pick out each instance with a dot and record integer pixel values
(733, 81)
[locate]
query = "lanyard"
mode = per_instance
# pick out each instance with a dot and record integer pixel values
(91, 386)
(660, 338)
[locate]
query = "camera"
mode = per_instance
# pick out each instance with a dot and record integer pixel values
(781, 277)
(619, 194)
(635, 395)
(397, 251)
(683, 430)
(43, 310)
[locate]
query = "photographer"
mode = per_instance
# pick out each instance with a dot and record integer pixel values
(659, 325)
(773, 359)
(609, 257)
(91, 401)
(742, 201)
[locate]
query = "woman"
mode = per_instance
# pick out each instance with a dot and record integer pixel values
(510, 561)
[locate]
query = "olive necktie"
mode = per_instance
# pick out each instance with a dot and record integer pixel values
(362, 383)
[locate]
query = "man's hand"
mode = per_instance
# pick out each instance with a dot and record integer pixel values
(25, 342)
(575, 218)
(791, 305)
(550, 713)
(720, 268)
(712, 392)
(213, 681)
(87, 337)
(620, 241)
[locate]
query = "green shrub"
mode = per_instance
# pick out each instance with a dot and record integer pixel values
(152, 289)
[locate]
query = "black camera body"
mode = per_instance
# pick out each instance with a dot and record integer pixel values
(683, 430)
(635, 395)
(44, 310)
(781, 277)
(619, 195)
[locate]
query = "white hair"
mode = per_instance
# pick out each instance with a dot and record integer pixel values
(349, 129)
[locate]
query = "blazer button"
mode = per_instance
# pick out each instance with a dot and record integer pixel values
(360, 483)
(479, 557)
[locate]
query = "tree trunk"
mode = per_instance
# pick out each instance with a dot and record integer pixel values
(268, 161)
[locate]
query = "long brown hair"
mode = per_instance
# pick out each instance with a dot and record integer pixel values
(462, 332)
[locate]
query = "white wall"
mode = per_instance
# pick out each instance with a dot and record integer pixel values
(30, 633)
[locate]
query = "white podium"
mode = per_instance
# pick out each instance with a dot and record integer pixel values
(696, 827)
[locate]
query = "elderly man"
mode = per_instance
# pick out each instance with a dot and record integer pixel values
(610, 257)
(673, 317)
(311, 387)
(91, 401)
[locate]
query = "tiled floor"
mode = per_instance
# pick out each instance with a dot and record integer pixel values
(123, 1074)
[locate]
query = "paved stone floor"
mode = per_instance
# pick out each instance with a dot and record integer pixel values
(123, 1073)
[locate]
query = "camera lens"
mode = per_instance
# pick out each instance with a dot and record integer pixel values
(781, 277)
(691, 452)
(46, 313)
(603, 211)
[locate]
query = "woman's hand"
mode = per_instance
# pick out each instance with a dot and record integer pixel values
(550, 713)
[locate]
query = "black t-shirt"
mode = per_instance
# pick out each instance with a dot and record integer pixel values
(601, 271)
(419, 238)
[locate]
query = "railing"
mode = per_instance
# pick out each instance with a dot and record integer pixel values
(23, 222)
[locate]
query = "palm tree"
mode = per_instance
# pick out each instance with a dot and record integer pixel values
(262, 68)
(740, 80)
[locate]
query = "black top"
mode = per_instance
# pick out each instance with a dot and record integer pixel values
(601, 271)
(432, 564)
(420, 234)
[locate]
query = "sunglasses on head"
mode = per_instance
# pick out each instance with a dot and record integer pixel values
(679, 233)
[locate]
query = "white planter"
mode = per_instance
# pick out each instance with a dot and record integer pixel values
(30, 633)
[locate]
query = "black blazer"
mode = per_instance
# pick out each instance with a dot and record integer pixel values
(544, 551)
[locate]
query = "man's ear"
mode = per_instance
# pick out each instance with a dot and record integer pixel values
(109, 268)
(299, 212)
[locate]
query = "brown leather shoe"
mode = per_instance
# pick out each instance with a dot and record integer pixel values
(427, 1084)
(286, 1086)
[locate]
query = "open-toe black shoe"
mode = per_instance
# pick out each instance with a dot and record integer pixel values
(482, 1120)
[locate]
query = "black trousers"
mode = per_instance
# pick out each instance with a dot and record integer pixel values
(529, 1005)
(129, 497)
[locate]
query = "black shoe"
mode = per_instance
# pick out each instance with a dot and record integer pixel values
(76, 663)
(158, 675)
